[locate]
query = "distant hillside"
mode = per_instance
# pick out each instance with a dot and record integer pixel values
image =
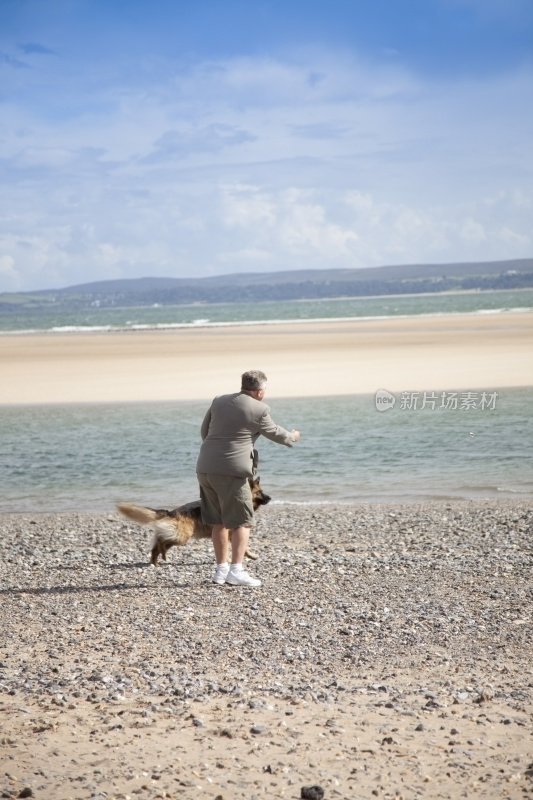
(290, 285)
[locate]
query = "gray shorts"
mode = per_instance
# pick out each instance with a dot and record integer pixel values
(226, 500)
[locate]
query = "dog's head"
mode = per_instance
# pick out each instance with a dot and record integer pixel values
(259, 498)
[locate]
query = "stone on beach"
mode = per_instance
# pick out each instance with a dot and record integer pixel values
(388, 647)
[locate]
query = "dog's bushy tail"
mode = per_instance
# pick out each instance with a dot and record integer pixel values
(140, 514)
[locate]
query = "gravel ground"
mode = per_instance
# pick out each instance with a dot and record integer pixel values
(421, 608)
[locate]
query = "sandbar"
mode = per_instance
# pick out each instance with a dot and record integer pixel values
(303, 359)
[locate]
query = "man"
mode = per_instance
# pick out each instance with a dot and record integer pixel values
(229, 430)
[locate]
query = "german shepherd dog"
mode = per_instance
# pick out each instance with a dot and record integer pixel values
(176, 527)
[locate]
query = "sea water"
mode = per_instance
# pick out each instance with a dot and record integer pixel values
(361, 448)
(198, 314)
(354, 449)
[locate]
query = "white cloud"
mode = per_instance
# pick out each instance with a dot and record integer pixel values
(306, 230)
(473, 232)
(514, 240)
(7, 264)
(319, 160)
(245, 206)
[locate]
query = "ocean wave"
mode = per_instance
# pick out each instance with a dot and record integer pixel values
(207, 323)
(509, 490)
(515, 310)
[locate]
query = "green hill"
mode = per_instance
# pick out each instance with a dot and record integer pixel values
(289, 285)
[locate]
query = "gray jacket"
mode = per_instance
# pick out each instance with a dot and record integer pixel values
(229, 430)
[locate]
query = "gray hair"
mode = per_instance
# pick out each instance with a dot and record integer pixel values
(253, 380)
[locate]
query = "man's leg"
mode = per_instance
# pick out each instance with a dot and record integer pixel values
(220, 537)
(239, 543)
(237, 576)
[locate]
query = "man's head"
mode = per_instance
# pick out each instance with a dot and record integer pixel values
(253, 382)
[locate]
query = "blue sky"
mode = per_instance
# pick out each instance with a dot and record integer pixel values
(203, 137)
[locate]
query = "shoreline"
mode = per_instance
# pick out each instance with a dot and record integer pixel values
(380, 504)
(506, 498)
(302, 359)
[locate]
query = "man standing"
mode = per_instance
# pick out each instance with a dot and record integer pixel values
(229, 430)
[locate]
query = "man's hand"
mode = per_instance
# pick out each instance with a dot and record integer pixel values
(295, 435)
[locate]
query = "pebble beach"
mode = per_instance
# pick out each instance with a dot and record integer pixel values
(387, 654)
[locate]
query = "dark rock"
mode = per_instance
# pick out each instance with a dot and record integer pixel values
(311, 793)
(258, 729)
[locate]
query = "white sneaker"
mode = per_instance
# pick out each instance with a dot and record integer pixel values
(220, 574)
(239, 577)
